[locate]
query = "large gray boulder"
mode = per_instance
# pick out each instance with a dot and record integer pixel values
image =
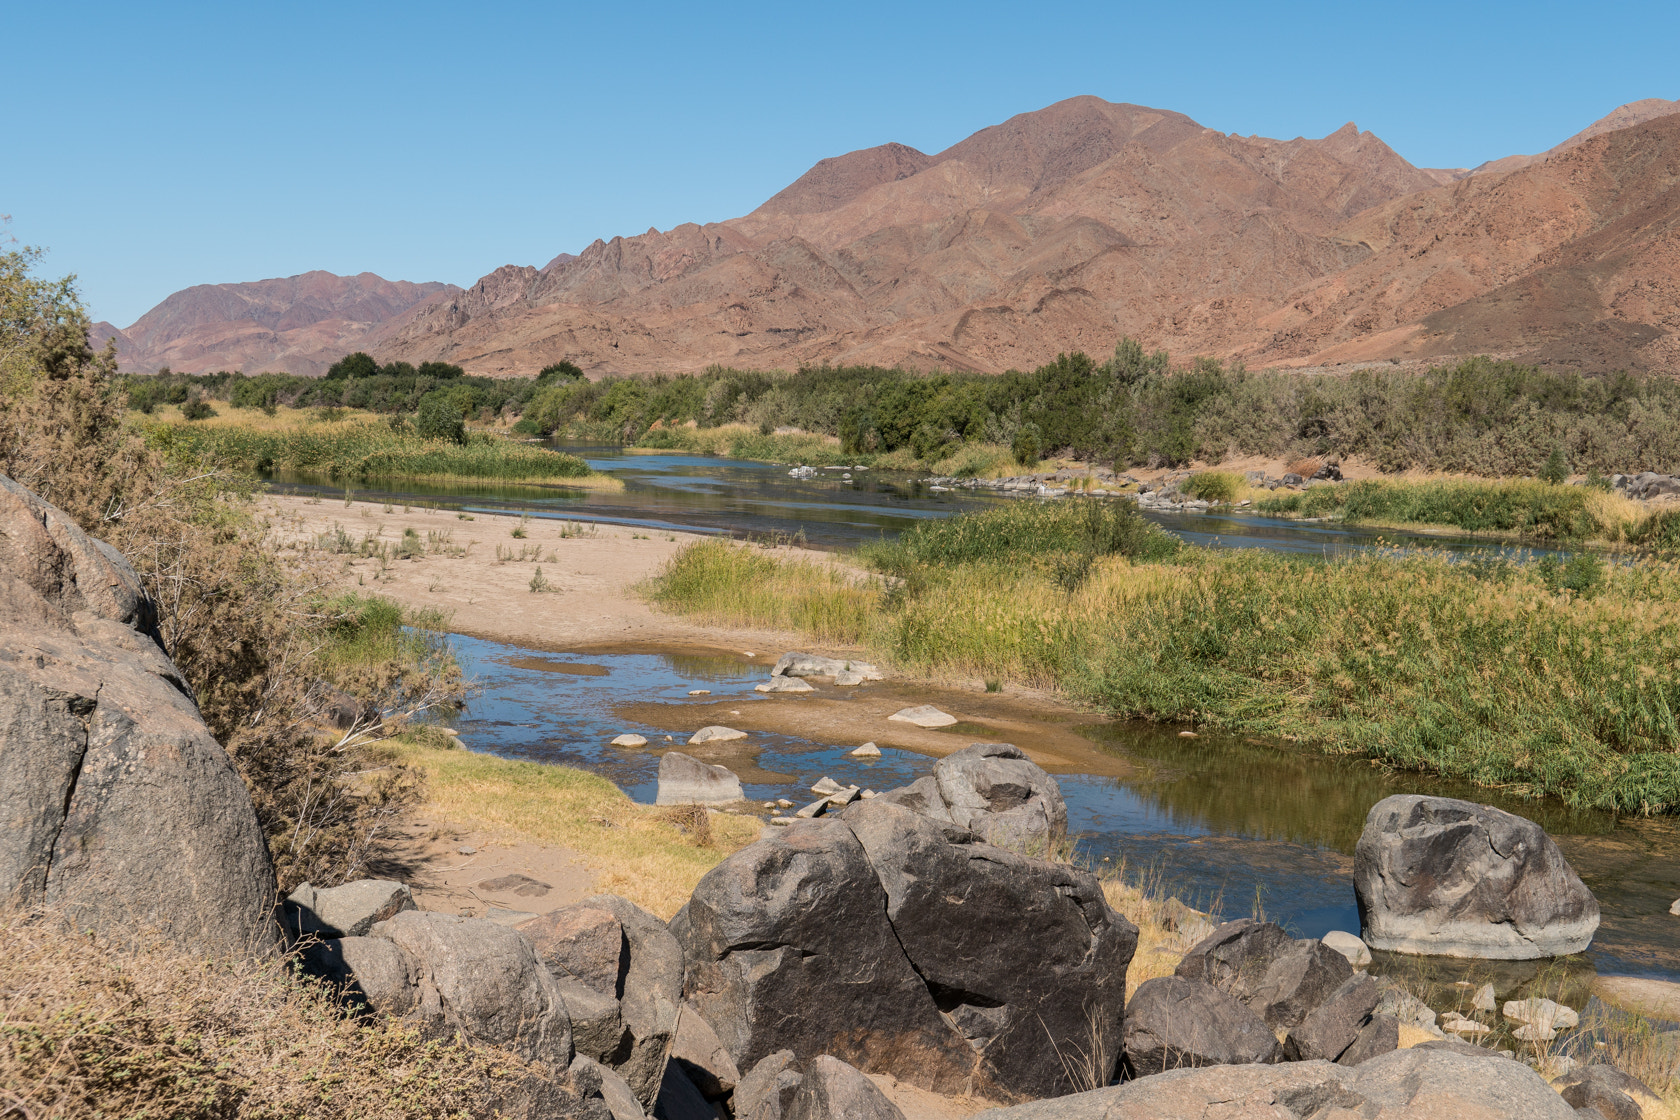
(833, 1090)
(349, 910)
(766, 1090)
(684, 780)
(1452, 878)
(1331, 1028)
(993, 789)
(1172, 1022)
(1403, 1085)
(1236, 956)
(789, 947)
(1024, 957)
(815, 665)
(616, 948)
(117, 806)
(1299, 981)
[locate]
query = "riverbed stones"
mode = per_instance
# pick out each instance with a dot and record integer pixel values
(685, 780)
(118, 809)
(629, 739)
(715, 734)
(1446, 877)
(812, 665)
(925, 715)
(1540, 1012)
(349, 910)
(1349, 946)
(789, 947)
(995, 790)
(868, 750)
(1173, 1023)
(1019, 954)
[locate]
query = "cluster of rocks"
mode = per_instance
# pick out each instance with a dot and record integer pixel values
(1096, 482)
(1646, 485)
(806, 472)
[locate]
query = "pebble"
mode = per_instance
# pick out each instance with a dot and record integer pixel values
(629, 739)
(466, 851)
(867, 794)
(715, 734)
(782, 821)
(827, 785)
(769, 804)
(1674, 908)
(1188, 735)
(699, 692)
(868, 750)
(784, 803)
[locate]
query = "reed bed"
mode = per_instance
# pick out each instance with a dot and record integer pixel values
(362, 452)
(1540, 678)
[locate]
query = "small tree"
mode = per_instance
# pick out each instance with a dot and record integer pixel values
(354, 365)
(1556, 468)
(440, 418)
(559, 371)
(1028, 446)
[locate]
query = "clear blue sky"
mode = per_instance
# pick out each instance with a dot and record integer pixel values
(149, 147)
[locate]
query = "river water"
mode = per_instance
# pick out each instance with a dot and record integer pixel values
(1236, 826)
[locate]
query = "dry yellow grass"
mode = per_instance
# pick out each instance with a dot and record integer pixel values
(635, 850)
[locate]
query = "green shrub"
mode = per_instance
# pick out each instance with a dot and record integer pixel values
(1213, 486)
(1024, 532)
(1027, 446)
(1525, 507)
(197, 409)
(1556, 468)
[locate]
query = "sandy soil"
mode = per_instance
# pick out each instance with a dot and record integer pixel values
(455, 869)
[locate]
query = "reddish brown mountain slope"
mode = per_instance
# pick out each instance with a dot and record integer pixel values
(300, 324)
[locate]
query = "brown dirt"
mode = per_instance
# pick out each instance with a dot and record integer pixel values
(428, 854)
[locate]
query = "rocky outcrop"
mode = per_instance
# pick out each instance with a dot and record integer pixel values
(685, 780)
(813, 665)
(1402, 1085)
(117, 807)
(946, 961)
(994, 790)
(1452, 878)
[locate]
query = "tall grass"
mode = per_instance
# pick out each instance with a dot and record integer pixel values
(361, 452)
(1534, 678)
(1027, 532)
(1515, 506)
(722, 582)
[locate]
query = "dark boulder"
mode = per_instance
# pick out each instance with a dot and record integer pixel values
(1172, 1022)
(1379, 1035)
(582, 943)
(1331, 1028)
(789, 947)
(1605, 1088)
(1452, 878)
(1298, 982)
(1235, 957)
(703, 1057)
(766, 1090)
(117, 806)
(1021, 955)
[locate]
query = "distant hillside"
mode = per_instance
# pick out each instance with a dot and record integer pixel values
(300, 324)
(1058, 229)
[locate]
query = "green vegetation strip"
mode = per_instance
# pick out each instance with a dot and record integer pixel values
(1545, 678)
(352, 451)
(1518, 506)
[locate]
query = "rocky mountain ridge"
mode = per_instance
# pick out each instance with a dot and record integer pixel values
(1063, 229)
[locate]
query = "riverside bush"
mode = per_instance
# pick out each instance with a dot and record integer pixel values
(1475, 506)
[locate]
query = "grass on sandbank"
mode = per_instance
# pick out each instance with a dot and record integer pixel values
(1513, 507)
(1550, 678)
(634, 849)
(358, 450)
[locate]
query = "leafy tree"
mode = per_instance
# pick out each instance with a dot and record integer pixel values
(440, 417)
(1028, 446)
(441, 371)
(559, 371)
(197, 409)
(352, 366)
(1556, 468)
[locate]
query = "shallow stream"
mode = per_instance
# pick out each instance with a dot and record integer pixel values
(1233, 825)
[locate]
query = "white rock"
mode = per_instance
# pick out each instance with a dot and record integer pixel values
(868, 750)
(769, 804)
(1462, 1025)
(924, 716)
(699, 692)
(1674, 908)
(814, 809)
(783, 684)
(794, 664)
(782, 821)
(629, 739)
(867, 794)
(688, 781)
(826, 785)
(848, 679)
(1484, 999)
(844, 798)
(1541, 1013)
(1533, 1032)
(1349, 946)
(783, 803)
(715, 734)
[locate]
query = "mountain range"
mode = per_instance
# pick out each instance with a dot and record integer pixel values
(1056, 230)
